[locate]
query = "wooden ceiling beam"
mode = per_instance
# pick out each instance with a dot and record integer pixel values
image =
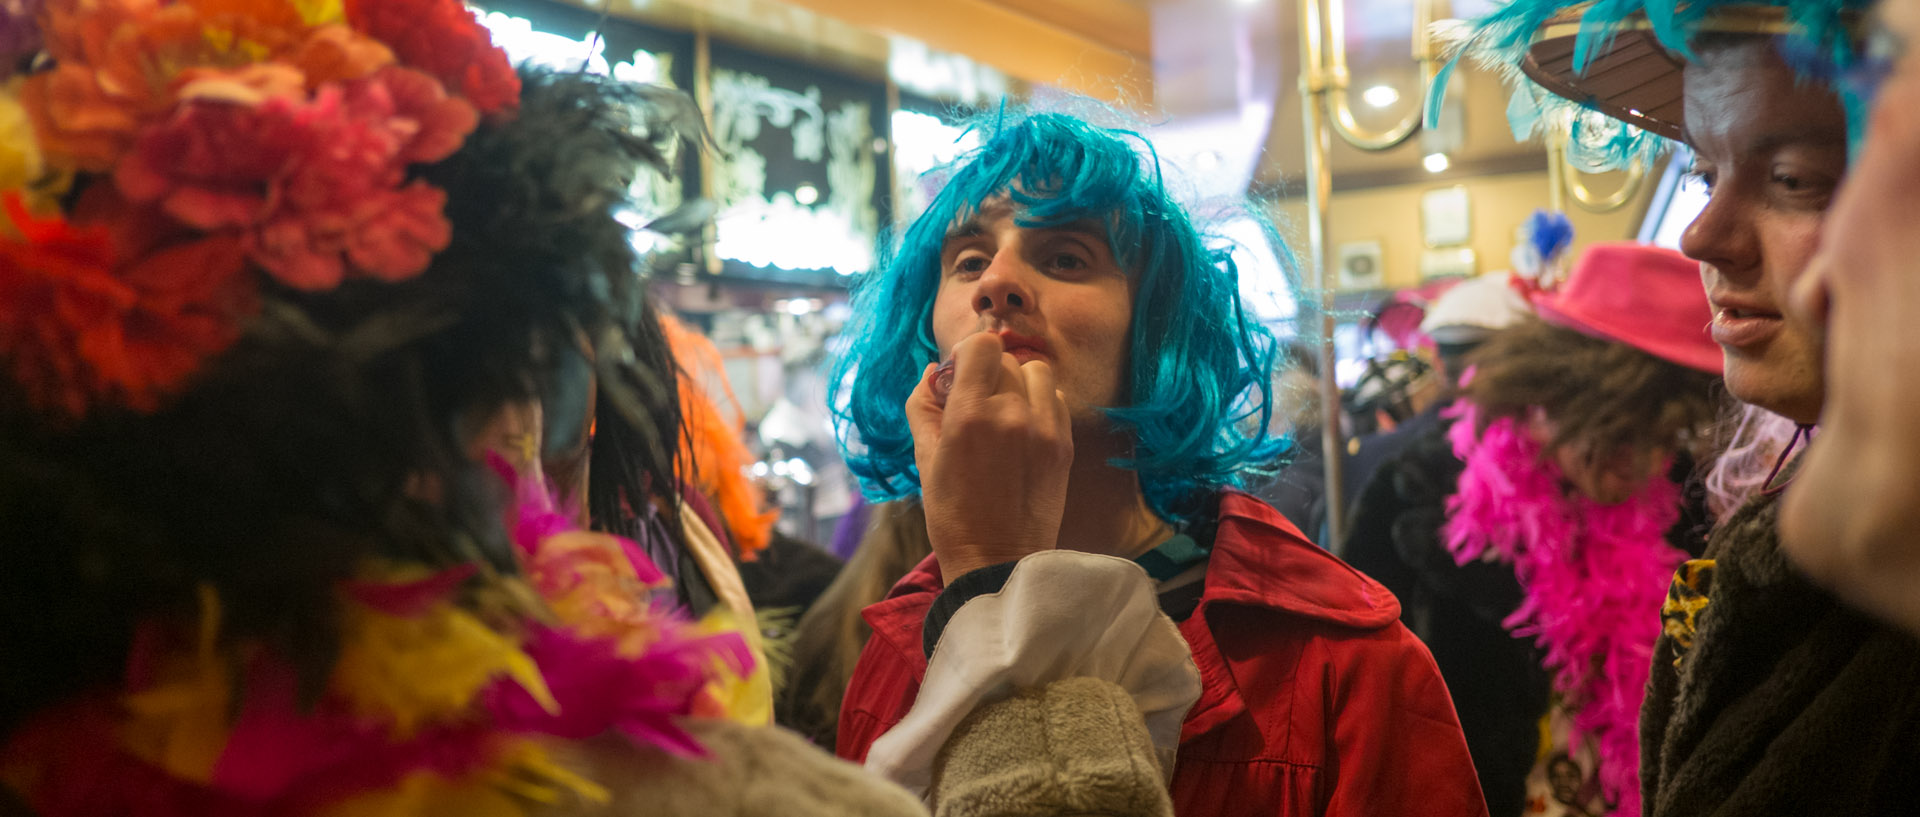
(1030, 40)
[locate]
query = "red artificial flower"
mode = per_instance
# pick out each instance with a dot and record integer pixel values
(442, 38)
(80, 328)
(215, 164)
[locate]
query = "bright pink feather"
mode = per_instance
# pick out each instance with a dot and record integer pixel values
(1594, 575)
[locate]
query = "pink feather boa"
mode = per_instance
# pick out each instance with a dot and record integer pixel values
(1594, 575)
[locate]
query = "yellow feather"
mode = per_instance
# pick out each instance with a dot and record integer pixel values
(544, 780)
(424, 794)
(745, 699)
(180, 723)
(427, 668)
(321, 12)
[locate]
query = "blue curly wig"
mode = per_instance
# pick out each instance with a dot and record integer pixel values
(1201, 391)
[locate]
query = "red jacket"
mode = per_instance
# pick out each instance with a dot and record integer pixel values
(1315, 699)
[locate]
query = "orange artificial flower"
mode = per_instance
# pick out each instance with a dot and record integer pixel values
(336, 53)
(119, 63)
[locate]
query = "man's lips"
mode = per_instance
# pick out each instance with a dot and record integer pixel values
(1744, 324)
(1024, 348)
(1739, 311)
(1026, 355)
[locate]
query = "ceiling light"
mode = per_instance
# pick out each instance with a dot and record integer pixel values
(806, 194)
(1380, 96)
(1436, 162)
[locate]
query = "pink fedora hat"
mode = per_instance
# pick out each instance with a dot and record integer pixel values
(1644, 296)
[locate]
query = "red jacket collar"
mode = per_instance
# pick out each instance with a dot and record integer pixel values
(1260, 559)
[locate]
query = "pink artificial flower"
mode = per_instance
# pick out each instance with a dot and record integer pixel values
(391, 235)
(349, 156)
(430, 123)
(315, 183)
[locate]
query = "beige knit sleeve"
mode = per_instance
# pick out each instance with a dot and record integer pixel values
(1071, 747)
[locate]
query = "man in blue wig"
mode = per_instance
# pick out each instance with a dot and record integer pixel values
(1108, 393)
(1768, 695)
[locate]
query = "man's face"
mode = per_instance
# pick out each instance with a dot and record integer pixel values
(1563, 775)
(1772, 150)
(1053, 294)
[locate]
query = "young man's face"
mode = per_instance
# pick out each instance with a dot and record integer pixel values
(1054, 294)
(1773, 149)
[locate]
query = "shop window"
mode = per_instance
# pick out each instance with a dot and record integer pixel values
(798, 188)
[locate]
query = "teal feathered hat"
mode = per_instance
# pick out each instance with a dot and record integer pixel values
(1607, 72)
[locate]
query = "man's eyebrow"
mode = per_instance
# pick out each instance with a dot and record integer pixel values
(1815, 136)
(1089, 227)
(965, 229)
(1085, 227)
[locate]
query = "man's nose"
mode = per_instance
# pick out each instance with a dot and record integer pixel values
(1005, 288)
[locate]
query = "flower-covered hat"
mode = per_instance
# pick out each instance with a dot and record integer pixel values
(1609, 72)
(266, 268)
(184, 155)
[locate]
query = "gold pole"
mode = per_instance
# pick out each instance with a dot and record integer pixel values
(1595, 203)
(1338, 79)
(703, 96)
(1313, 90)
(1564, 181)
(1556, 173)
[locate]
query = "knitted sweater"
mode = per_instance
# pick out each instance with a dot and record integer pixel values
(1768, 696)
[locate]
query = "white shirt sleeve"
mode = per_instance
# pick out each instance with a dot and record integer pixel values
(1062, 614)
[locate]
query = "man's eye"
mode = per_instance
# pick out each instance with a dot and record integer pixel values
(1803, 185)
(972, 264)
(1068, 261)
(1701, 179)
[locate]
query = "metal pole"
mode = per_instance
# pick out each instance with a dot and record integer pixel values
(1313, 90)
(1556, 175)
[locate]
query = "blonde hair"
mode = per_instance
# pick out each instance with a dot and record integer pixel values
(829, 638)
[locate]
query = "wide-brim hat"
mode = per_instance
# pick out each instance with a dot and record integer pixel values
(1641, 295)
(1592, 69)
(1632, 75)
